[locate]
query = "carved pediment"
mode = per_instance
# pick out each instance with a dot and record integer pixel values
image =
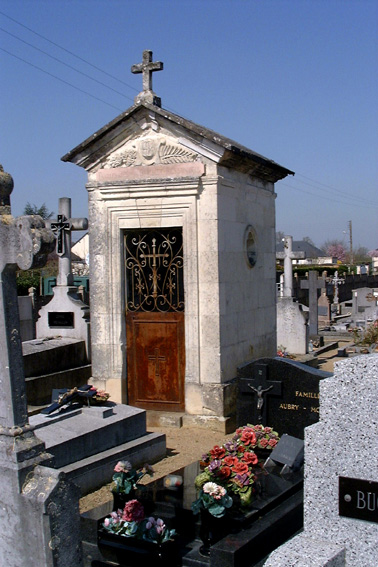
(150, 150)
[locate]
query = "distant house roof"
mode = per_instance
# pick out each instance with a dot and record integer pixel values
(310, 250)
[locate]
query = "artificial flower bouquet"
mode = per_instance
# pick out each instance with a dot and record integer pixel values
(126, 479)
(99, 397)
(231, 470)
(131, 522)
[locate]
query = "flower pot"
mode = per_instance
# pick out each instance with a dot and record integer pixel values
(131, 551)
(212, 529)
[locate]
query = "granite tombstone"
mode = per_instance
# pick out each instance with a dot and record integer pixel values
(280, 393)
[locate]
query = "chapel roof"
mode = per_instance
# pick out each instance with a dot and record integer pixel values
(235, 155)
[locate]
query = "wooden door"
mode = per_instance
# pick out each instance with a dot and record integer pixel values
(155, 319)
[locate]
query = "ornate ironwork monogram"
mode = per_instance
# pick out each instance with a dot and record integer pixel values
(154, 270)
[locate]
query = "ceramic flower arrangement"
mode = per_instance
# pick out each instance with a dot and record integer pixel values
(233, 467)
(126, 479)
(131, 522)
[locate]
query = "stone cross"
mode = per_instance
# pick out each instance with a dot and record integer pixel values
(288, 255)
(147, 67)
(24, 242)
(62, 228)
(261, 388)
(37, 504)
(336, 281)
(313, 283)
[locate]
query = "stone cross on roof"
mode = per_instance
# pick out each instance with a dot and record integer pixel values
(147, 67)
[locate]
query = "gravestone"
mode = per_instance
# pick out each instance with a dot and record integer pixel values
(341, 474)
(39, 520)
(65, 315)
(160, 184)
(290, 393)
(324, 310)
(313, 284)
(292, 317)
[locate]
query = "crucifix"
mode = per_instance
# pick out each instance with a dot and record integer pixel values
(336, 281)
(62, 228)
(147, 67)
(288, 255)
(260, 386)
(157, 359)
(313, 283)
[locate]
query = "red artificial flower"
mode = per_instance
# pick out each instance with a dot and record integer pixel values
(217, 452)
(224, 473)
(263, 443)
(240, 468)
(133, 511)
(241, 449)
(272, 442)
(229, 461)
(250, 458)
(248, 436)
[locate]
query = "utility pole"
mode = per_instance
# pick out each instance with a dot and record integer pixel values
(350, 243)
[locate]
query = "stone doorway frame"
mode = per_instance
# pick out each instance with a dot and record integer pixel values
(149, 203)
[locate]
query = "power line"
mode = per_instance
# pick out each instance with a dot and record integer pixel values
(63, 63)
(359, 204)
(341, 192)
(61, 80)
(68, 51)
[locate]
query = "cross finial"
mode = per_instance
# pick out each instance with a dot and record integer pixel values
(147, 67)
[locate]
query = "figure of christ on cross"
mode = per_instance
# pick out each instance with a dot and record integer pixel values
(147, 67)
(261, 385)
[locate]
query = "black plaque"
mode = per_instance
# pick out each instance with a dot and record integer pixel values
(290, 399)
(358, 499)
(61, 319)
(289, 451)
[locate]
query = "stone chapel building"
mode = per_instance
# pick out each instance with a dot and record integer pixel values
(182, 259)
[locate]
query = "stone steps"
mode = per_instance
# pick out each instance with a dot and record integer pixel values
(93, 472)
(86, 442)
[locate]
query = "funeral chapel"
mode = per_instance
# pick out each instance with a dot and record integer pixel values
(182, 259)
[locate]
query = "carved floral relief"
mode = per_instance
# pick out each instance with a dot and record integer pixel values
(148, 151)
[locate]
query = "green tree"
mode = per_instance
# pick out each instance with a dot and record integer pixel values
(42, 211)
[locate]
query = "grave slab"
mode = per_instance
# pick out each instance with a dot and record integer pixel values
(87, 442)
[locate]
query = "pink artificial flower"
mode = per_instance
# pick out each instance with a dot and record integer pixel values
(123, 466)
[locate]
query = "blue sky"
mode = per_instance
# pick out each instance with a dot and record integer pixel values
(294, 80)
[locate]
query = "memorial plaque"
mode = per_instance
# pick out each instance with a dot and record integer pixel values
(61, 319)
(358, 499)
(289, 451)
(290, 394)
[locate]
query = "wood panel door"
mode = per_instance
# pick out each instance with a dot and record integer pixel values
(155, 336)
(156, 360)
